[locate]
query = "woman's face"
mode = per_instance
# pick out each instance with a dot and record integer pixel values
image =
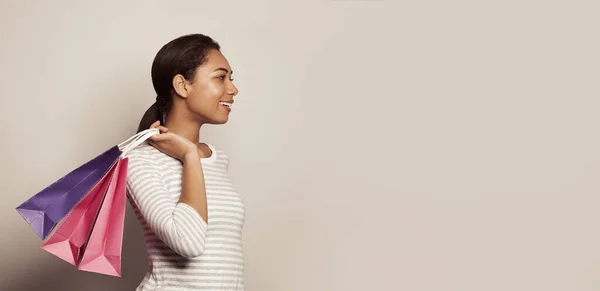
(211, 92)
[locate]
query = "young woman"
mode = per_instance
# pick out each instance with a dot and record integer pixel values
(191, 215)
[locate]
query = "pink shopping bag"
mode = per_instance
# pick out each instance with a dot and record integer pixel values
(67, 241)
(102, 253)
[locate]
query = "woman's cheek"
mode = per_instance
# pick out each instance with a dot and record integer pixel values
(217, 89)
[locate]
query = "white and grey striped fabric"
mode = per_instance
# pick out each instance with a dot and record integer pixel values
(186, 253)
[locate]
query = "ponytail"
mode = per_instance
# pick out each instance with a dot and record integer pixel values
(157, 111)
(149, 117)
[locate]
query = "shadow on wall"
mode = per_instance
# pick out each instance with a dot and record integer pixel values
(53, 274)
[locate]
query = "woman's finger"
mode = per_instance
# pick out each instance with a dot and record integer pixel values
(155, 124)
(159, 137)
(163, 129)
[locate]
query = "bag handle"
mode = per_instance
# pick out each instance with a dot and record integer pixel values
(136, 140)
(135, 136)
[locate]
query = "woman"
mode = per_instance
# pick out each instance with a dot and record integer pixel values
(191, 215)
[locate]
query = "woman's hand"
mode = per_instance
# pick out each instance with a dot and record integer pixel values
(171, 143)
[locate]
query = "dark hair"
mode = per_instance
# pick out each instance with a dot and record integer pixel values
(182, 55)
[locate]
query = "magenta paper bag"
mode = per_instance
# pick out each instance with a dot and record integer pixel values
(67, 240)
(102, 253)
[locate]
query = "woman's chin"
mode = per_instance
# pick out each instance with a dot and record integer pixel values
(220, 120)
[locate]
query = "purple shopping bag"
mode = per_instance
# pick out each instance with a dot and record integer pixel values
(48, 207)
(44, 210)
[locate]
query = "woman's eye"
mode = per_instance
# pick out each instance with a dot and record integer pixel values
(222, 78)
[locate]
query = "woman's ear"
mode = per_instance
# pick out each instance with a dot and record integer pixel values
(181, 86)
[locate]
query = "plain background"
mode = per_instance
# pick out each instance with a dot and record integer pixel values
(378, 145)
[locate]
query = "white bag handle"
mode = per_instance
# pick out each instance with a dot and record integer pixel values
(136, 140)
(137, 135)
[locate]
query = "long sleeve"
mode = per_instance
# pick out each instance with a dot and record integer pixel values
(177, 224)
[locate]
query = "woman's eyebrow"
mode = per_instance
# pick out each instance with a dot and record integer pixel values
(223, 69)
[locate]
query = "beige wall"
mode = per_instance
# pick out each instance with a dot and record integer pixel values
(379, 145)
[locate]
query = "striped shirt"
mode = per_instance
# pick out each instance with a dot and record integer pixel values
(184, 252)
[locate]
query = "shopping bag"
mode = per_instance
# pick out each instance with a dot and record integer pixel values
(91, 234)
(44, 210)
(102, 253)
(67, 241)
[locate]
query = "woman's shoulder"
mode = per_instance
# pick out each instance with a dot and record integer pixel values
(145, 153)
(145, 160)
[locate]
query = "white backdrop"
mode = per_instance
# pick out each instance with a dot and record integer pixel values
(378, 145)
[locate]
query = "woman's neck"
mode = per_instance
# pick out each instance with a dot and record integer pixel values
(184, 125)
